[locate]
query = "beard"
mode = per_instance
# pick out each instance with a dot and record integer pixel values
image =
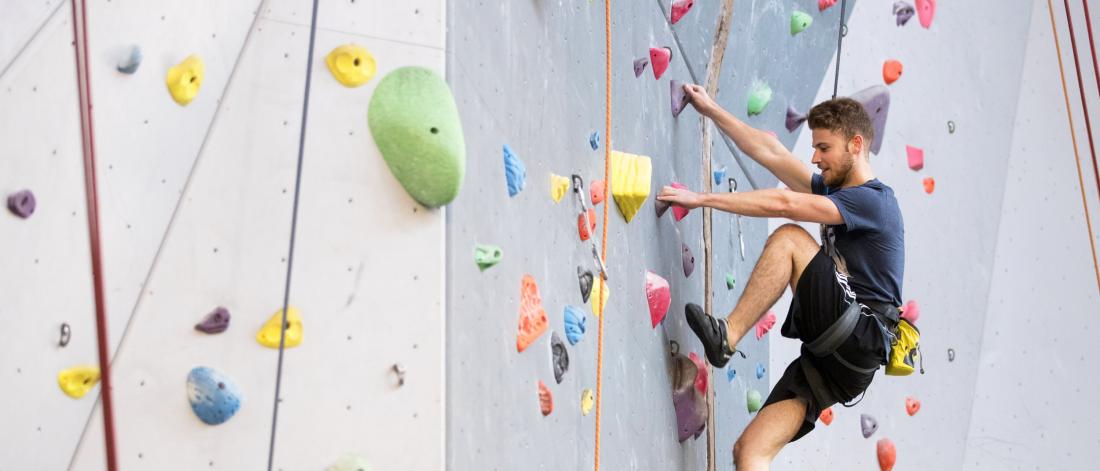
(838, 174)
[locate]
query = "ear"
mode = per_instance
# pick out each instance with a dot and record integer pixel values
(855, 144)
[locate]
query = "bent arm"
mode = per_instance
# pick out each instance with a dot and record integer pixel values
(765, 150)
(777, 202)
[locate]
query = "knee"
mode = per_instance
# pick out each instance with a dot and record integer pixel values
(738, 451)
(789, 233)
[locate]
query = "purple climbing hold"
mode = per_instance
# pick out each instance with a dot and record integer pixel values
(22, 203)
(904, 12)
(876, 101)
(215, 322)
(639, 65)
(691, 405)
(585, 277)
(660, 206)
(559, 356)
(688, 258)
(794, 118)
(679, 98)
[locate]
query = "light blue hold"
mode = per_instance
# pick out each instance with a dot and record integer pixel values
(130, 65)
(574, 324)
(720, 176)
(214, 398)
(594, 140)
(759, 370)
(514, 171)
(731, 373)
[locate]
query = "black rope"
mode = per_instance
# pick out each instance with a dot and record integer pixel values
(839, 41)
(293, 231)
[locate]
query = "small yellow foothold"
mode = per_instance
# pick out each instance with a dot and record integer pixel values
(587, 400)
(185, 79)
(630, 181)
(78, 380)
(351, 65)
(268, 335)
(559, 186)
(599, 289)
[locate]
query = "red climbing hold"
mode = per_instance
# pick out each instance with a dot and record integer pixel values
(660, 57)
(702, 378)
(916, 157)
(585, 230)
(887, 455)
(911, 312)
(659, 296)
(765, 324)
(532, 317)
(680, 8)
(891, 71)
(912, 406)
(823, 4)
(827, 416)
(929, 185)
(597, 192)
(926, 9)
(679, 212)
(546, 400)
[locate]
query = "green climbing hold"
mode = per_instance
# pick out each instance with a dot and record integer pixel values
(752, 399)
(487, 256)
(759, 97)
(415, 124)
(800, 21)
(730, 282)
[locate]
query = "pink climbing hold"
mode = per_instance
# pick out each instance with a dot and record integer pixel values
(911, 312)
(911, 406)
(926, 9)
(660, 57)
(679, 212)
(659, 296)
(765, 324)
(597, 192)
(916, 157)
(823, 4)
(702, 379)
(680, 8)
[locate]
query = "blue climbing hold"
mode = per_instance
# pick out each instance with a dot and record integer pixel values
(574, 324)
(594, 140)
(514, 171)
(731, 373)
(720, 175)
(130, 65)
(214, 398)
(759, 370)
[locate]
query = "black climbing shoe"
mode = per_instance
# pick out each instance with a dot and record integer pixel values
(711, 332)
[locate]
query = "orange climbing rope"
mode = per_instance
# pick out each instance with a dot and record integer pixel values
(607, 202)
(1073, 138)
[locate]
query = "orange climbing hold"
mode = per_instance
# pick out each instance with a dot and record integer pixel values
(891, 71)
(929, 185)
(887, 454)
(823, 4)
(585, 230)
(546, 400)
(597, 192)
(912, 406)
(826, 416)
(532, 317)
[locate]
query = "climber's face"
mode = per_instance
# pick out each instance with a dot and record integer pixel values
(835, 155)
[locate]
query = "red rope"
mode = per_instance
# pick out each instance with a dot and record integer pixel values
(1096, 73)
(87, 135)
(1081, 90)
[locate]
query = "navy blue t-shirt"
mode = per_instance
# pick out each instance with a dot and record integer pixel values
(871, 240)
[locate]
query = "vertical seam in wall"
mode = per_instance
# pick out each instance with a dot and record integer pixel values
(448, 239)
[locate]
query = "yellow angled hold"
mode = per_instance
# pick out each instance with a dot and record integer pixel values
(599, 290)
(630, 181)
(351, 65)
(185, 79)
(559, 186)
(268, 335)
(587, 400)
(75, 382)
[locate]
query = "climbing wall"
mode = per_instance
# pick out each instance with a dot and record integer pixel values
(997, 254)
(196, 205)
(530, 75)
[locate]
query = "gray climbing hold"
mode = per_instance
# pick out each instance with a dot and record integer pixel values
(215, 322)
(514, 171)
(559, 356)
(688, 259)
(130, 65)
(639, 65)
(594, 140)
(660, 206)
(22, 203)
(876, 101)
(585, 278)
(214, 398)
(951, 354)
(868, 425)
(904, 12)
(794, 118)
(679, 98)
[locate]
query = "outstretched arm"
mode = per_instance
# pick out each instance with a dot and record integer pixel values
(759, 145)
(771, 203)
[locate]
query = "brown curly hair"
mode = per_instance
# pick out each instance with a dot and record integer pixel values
(845, 116)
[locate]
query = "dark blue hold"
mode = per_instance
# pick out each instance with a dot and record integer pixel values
(594, 140)
(759, 370)
(514, 171)
(214, 398)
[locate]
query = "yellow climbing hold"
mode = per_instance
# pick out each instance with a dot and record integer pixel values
(559, 185)
(268, 335)
(599, 289)
(630, 180)
(351, 65)
(587, 401)
(78, 380)
(185, 79)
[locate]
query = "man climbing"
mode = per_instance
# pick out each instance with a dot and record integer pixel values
(861, 269)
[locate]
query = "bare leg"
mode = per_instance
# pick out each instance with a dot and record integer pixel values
(768, 432)
(788, 250)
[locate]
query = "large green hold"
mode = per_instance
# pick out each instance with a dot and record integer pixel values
(415, 124)
(800, 21)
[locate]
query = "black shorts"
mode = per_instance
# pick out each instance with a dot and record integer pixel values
(819, 300)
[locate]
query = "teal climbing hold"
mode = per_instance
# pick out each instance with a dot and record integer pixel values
(759, 97)
(515, 173)
(752, 400)
(730, 282)
(214, 398)
(415, 124)
(800, 20)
